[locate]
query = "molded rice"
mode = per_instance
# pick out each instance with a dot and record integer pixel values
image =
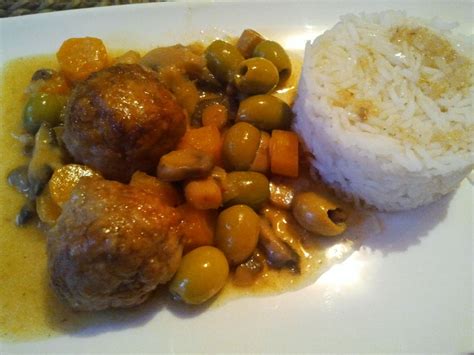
(385, 106)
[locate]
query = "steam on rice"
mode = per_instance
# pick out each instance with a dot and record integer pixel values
(385, 106)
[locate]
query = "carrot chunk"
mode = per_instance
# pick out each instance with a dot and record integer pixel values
(198, 226)
(261, 163)
(80, 57)
(284, 153)
(203, 194)
(216, 115)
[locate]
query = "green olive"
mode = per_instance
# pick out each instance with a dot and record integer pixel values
(275, 53)
(256, 76)
(245, 187)
(201, 275)
(237, 233)
(240, 145)
(42, 107)
(223, 60)
(317, 214)
(265, 112)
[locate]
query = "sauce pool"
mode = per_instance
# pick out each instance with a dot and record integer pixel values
(24, 294)
(28, 307)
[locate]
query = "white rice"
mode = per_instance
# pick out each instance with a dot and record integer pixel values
(389, 123)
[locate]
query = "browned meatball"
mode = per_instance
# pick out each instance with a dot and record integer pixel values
(112, 245)
(121, 119)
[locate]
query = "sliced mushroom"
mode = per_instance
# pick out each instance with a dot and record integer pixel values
(184, 164)
(47, 157)
(281, 194)
(18, 178)
(279, 254)
(179, 56)
(178, 66)
(184, 60)
(26, 214)
(247, 273)
(43, 74)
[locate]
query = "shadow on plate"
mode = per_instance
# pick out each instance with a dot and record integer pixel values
(401, 230)
(85, 324)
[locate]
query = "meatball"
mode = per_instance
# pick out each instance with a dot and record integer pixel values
(112, 245)
(122, 119)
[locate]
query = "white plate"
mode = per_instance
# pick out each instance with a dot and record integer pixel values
(409, 289)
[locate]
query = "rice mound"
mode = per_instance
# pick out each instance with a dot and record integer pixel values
(385, 106)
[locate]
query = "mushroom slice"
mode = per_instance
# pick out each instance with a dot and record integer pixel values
(279, 254)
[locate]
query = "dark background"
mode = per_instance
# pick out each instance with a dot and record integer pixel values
(27, 7)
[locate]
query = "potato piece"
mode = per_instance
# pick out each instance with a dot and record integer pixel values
(65, 179)
(215, 115)
(207, 139)
(203, 194)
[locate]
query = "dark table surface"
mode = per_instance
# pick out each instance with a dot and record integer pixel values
(27, 7)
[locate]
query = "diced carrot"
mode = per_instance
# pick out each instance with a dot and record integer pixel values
(203, 194)
(247, 42)
(198, 226)
(80, 57)
(216, 115)
(48, 210)
(167, 192)
(261, 163)
(65, 179)
(207, 139)
(284, 153)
